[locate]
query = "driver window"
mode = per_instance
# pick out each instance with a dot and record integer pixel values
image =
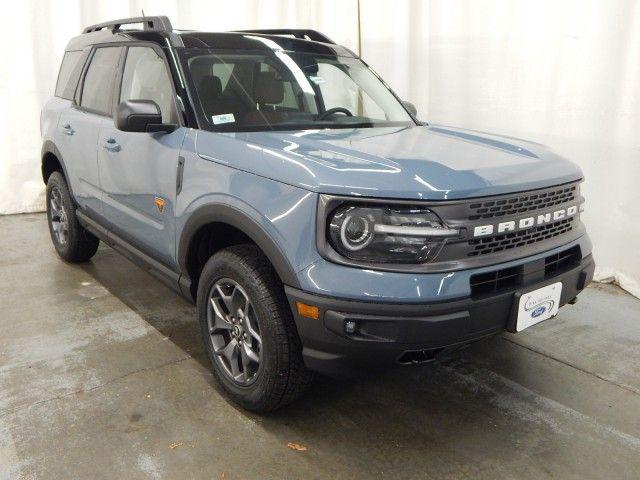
(146, 77)
(339, 90)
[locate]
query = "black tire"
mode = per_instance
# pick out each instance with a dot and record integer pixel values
(281, 376)
(77, 244)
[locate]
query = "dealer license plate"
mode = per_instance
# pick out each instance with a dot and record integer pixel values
(538, 305)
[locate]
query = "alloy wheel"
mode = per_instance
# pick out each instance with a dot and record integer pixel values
(234, 331)
(59, 220)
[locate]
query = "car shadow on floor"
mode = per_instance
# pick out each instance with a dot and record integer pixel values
(162, 308)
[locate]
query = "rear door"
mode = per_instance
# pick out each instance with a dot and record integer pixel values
(80, 124)
(138, 170)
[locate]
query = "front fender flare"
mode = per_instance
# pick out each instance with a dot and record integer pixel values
(238, 219)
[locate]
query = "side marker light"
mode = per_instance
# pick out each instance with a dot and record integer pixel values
(308, 311)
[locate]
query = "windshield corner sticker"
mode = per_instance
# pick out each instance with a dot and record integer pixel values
(317, 80)
(223, 118)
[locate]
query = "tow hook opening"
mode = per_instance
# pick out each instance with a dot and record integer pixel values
(415, 357)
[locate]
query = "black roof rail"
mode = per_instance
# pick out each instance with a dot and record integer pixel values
(160, 23)
(302, 33)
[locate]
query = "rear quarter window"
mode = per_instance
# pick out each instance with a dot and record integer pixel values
(97, 89)
(66, 85)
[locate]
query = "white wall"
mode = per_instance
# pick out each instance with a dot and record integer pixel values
(563, 73)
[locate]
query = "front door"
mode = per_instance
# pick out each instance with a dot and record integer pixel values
(138, 170)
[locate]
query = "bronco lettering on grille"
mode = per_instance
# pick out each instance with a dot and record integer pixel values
(527, 222)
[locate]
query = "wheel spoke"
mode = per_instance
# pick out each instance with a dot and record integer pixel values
(245, 363)
(226, 299)
(226, 350)
(249, 327)
(62, 233)
(230, 353)
(55, 203)
(250, 353)
(234, 363)
(220, 320)
(55, 211)
(238, 301)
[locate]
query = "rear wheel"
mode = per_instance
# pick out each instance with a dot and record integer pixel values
(248, 330)
(72, 242)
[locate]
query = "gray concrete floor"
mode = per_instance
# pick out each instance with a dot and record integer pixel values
(102, 375)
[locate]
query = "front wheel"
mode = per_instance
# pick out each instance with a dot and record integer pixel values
(248, 330)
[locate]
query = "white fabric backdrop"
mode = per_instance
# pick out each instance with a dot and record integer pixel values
(563, 73)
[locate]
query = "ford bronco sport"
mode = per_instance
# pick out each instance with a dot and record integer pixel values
(272, 178)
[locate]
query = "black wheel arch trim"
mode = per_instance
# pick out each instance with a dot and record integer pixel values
(49, 147)
(220, 213)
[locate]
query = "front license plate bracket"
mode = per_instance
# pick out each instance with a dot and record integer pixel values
(534, 306)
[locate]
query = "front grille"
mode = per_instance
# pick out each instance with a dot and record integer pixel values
(506, 241)
(562, 261)
(509, 279)
(537, 205)
(523, 203)
(498, 281)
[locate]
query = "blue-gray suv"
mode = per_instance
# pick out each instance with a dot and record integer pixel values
(271, 177)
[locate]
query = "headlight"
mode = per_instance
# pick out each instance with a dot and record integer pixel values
(387, 234)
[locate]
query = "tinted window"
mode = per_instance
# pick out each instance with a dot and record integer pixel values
(249, 90)
(98, 82)
(69, 63)
(146, 77)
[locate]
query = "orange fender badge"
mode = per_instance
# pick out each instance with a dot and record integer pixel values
(160, 204)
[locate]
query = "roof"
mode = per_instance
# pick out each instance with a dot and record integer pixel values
(159, 30)
(260, 41)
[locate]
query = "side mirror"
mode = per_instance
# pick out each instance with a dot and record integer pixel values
(141, 116)
(410, 107)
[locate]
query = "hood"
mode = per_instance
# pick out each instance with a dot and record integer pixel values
(422, 162)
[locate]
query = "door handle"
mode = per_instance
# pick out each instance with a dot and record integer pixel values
(68, 130)
(111, 145)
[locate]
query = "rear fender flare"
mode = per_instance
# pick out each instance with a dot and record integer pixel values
(49, 147)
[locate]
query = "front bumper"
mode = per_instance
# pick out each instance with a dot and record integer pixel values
(390, 334)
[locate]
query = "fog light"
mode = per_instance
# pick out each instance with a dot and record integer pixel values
(350, 326)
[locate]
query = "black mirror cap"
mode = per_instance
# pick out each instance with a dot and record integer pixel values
(140, 116)
(411, 108)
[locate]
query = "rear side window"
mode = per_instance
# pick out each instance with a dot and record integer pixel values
(97, 90)
(64, 89)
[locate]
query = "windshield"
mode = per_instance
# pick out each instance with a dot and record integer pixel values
(278, 90)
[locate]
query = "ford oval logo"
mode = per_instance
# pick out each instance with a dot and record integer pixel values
(538, 311)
